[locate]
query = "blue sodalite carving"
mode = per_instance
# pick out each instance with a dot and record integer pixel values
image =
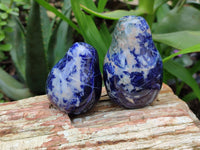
(132, 66)
(74, 83)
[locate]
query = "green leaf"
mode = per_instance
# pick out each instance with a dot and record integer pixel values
(3, 23)
(1, 95)
(113, 15)
(2, 56)
(146, 6)
(2, 36)
(162, 12)
(36, 64)
(178, 40)
(195, 48)
(183, 74)
(14, 13)
(5, 2)
(50, 52)
(17, 52)
(4, 15)
(3, 7)
(8, 29)
(101, 5)
(12, 88)
(57, 13)
(158, 3)
(46, 28)
(189, 97)
(5, 47)
(105, 34)
(89, 4)
(187, 18)
(195, 67)
(2, 101)
(61, 39)
(90, 32)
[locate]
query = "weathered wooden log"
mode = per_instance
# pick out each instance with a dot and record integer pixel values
(33, 124)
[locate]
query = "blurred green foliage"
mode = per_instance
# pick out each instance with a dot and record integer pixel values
(8, 8)
(36, 47)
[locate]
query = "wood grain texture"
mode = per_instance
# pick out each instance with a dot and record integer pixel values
(33, 124)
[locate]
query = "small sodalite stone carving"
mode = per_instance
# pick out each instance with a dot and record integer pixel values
(132, 66)
(74, 83)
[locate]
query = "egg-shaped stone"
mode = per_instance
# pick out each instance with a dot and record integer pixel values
(132, 66)
(74, 83)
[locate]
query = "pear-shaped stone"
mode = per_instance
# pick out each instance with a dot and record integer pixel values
(132, 66)
(74, 83)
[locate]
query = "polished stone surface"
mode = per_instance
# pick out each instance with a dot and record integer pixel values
(132, 66)
(74, 83)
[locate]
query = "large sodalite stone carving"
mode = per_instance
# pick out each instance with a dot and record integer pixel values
(132, 66)
(74, 83)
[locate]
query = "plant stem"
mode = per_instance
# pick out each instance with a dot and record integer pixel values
(180, 4)
(11, 2)
(195, 48)
(179, 87)
(147, 7)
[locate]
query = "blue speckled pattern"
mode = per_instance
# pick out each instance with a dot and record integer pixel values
(74, 83)
(132, 66)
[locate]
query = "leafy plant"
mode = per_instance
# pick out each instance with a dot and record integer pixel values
(35, 49)
(8, 8)
(173, 26)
